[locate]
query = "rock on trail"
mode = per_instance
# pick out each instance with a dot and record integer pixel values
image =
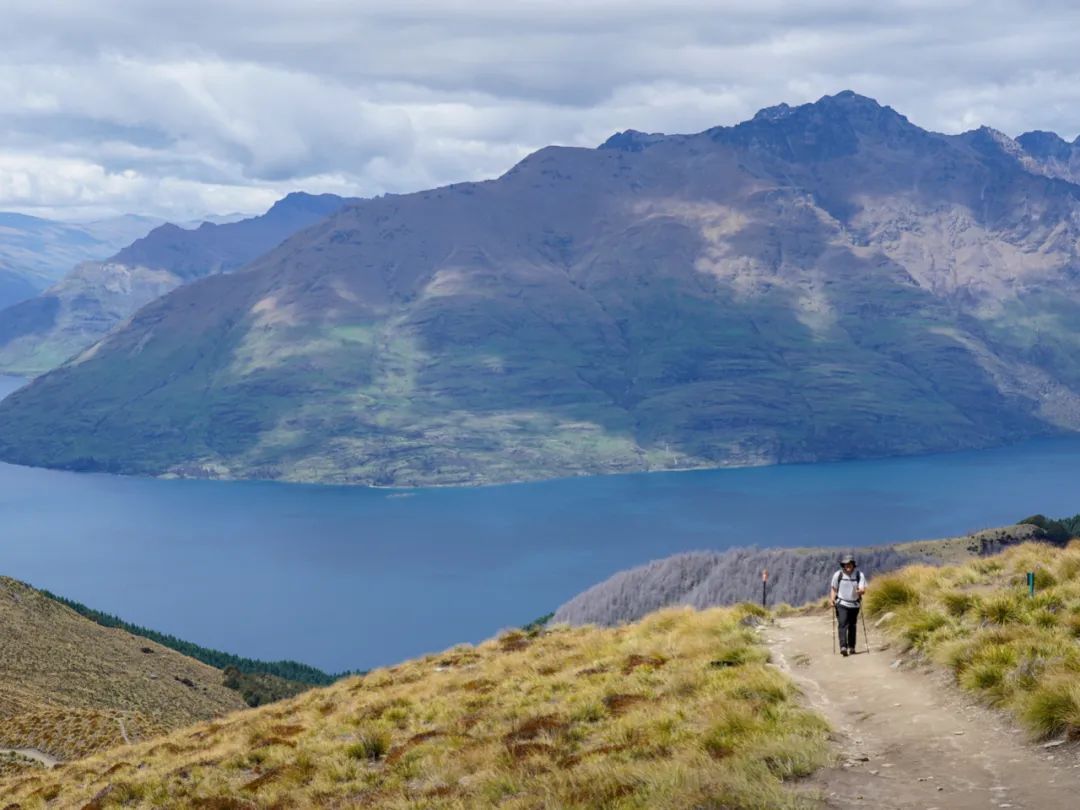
(909, 739)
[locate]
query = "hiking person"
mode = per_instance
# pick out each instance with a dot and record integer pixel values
(848, 586)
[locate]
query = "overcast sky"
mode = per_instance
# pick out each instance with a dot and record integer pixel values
(213, 106)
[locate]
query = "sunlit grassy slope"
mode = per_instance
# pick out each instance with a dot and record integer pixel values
(69, 687)
(679, 710)
(1018, 652)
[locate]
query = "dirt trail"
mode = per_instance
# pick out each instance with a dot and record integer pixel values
(32, 753)
(908, 739)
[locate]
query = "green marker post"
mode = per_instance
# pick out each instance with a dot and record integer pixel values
(1031, 583)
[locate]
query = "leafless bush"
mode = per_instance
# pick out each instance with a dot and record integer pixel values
(709, 578)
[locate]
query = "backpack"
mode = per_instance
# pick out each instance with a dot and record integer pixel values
(856, 577)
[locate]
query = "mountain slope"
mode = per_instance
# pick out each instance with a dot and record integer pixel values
(35, 252)
(40, 333)
(680, 710)
(69, 687)
(1052, 154)
(704, 579)
(822, 282)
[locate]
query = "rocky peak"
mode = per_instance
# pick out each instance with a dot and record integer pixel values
(632, 140)
(993, 143)
(1042, 144)
(301, 201)
(828, 128)
(774, 113)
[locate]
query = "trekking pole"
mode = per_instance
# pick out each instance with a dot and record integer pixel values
(832, 608)
(865, 635)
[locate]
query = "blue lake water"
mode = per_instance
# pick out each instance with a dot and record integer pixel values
(346, 578)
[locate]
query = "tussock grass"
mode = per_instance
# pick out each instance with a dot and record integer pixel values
(1015, 651)
(888, 593)
(679, 710)
(70, 687)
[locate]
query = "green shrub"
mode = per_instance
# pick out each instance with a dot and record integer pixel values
(888, 594)
(1053, 707)
(1045, 618)
(984, 675)
(1001, 610)
(1072, 624)
(921, 624)
(369, 746)
(957, 604)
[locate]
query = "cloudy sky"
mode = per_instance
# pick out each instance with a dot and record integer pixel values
(213, 106)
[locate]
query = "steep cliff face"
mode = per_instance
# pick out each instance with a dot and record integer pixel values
(825, 281)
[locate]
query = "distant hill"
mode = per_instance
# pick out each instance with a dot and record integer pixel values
(42, 332)
(291, 671)
(681, 710)
(69, 687)
(35, 252)
(827, 281)
(705, 579)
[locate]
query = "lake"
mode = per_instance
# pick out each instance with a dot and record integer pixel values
(350, 578)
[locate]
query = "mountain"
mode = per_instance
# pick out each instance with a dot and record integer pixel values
(16, 287)
(1052, 154)
(69, 687)
(825, 281)
(35, 252)
(680, 710)
(214, 219)
(40, 333)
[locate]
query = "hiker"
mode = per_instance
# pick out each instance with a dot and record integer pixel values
(848, 586)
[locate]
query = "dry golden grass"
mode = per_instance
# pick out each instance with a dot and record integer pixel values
(1017, 652)
(69, 687)
(679, 710)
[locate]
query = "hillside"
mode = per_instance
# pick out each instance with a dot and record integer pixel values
(704, 579)
(69, 687)
(1052, 154)
(42, 332)
(680, 709)
(965, 696)
(826, 281)
(677, 711)
(35, 252)
(1015, 651)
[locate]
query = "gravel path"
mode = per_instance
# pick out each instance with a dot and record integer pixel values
(909, 739)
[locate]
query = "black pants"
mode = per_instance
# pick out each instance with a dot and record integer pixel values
(846, 618)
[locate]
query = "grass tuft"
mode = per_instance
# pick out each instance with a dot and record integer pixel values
(372, 746)
(1013, 650)
(679, 710)
(889, 593)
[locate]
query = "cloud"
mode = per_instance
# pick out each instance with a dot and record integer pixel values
(179, 108)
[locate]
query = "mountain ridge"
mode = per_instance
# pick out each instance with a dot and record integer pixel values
(40, 333)
(34, 252)
(822, 282)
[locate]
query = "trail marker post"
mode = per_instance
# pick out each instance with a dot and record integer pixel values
(1031, 583)
(764, 584)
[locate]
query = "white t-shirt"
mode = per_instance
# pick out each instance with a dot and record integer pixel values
(847, 587)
